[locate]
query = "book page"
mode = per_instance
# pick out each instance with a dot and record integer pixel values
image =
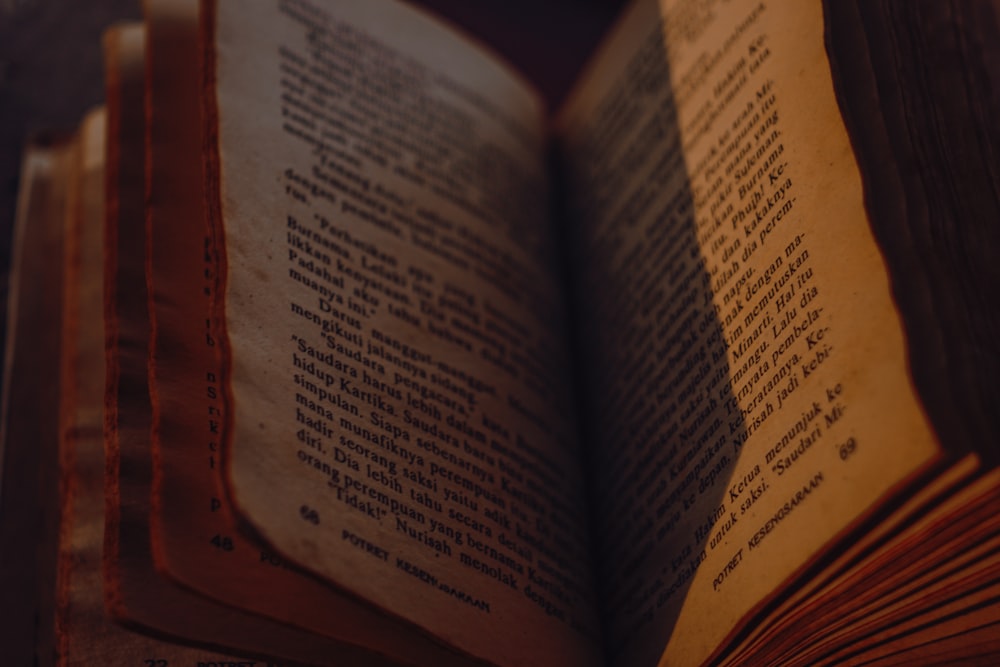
(398, 409)
(749, 388)
(138, 596)
(87, 635)
(941, 552)
(81, 415)
(29, 505)
(201, 560)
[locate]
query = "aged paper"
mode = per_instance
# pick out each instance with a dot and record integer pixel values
(195, 544)
(138, 595)
(86, 634)
(751, 396)
(31, 429)
(398, 397)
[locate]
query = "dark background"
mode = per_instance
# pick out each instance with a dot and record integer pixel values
(51, 72)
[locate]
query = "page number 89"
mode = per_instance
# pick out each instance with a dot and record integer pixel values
(847, 448)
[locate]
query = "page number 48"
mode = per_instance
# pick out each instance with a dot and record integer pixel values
(309, 514)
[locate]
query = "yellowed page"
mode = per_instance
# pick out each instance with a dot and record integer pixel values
(751, 398)
(31, 397)
(81, 416)
(941, 557)
(398, 407)
(137, 595)
(951, 493)
(86, 634)
(271, 607)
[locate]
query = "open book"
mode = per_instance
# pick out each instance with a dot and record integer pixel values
(368, 359)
